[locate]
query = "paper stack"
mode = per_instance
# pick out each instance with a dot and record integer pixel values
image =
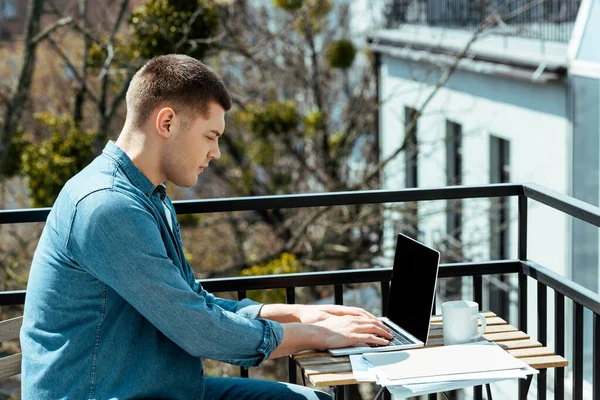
(421, 371)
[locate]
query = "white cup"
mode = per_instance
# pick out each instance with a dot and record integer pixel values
(459, 322)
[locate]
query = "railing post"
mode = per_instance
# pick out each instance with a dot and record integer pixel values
(596, 357)
(338, 294)
(243, 370)
(522, 276)
(290, 298)
(522, 228)
(478, 297)
(577, 352)
(542, 295)
(522, 257)
(559, 344)
(478, 290)
(385, 297)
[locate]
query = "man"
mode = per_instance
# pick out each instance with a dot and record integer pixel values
(113, 309)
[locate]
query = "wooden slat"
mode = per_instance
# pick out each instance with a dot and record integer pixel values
(10, 365)
(489, 321)
(519, 344)
(327, 368)
(545, 362)
(321, 380)
(504, 336)
(531, 352)
(310, 354)
(486, 314)
(307, 362)
(435, 333)
(9, 329)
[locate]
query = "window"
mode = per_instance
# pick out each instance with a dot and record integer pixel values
(412, 150)
(452, 244)
(8, 9)
(454, 177)
(411, 158)
(498, 285)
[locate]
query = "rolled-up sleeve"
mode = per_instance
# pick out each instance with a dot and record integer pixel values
(246, 307)
(104, 240)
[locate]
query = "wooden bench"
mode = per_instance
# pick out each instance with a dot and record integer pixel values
(9, 330)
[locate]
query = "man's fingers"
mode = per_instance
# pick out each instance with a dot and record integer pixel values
(373, 339)
(377, 330)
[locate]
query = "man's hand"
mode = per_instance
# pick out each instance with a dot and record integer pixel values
(349, 330)
(309, 314)
(330, 333)
(315, 313)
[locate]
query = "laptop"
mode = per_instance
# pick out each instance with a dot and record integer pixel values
(412, 294)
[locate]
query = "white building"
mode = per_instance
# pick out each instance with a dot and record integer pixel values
(516, 109)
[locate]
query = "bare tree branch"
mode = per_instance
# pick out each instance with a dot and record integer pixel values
(12, 114)
(46, 32)
(82, 89)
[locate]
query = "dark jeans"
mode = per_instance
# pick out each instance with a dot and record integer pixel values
(256, 389)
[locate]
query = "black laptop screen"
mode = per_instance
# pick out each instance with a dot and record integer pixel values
(413, 286)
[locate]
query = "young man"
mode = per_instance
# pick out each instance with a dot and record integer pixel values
(113, 309)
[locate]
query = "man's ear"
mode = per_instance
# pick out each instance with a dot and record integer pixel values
(164, 122)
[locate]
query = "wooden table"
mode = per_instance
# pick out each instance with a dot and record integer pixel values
(323, 370)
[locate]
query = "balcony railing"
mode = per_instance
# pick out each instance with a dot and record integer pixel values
(582, 298)
(537, 19)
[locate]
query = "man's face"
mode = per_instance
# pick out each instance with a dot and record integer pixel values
(194, 145)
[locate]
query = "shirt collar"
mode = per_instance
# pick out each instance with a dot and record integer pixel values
(136, 176)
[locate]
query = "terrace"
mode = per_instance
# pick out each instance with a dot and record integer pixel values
(532, 277)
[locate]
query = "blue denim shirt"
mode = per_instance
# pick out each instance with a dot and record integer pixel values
(113, 309)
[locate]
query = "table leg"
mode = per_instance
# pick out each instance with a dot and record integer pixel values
(338, 393)
(379, 393)
(524, 388)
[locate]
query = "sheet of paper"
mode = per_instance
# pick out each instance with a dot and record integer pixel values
(505, 374)
(361, 369)
(401, 392)
(417, 389)
(442, 362)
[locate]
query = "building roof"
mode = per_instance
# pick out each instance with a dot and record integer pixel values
(491, 53)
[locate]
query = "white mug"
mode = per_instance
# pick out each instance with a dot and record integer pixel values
(459, 322)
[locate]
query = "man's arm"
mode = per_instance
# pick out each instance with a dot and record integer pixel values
(309, 314)
(105, 240)
(331, 333)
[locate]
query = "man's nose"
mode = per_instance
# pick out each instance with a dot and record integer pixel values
(216, 153)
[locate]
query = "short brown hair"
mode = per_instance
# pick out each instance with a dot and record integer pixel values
(178, 79)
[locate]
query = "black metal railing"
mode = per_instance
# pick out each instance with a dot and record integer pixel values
(537, 19)
(582, 298)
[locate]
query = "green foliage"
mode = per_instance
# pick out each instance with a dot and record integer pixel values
(276, 118)
(188, 220)
(335, 139)
(262, 152)
(281, 181)
(50, 164)
(340, 54)
(11, 164)
(188, 256)
(159, 25)
(288, 5)
(313, 123)
(122, 50)
(286, 263)
(318, 10)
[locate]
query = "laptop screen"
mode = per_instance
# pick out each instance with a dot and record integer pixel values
(413, 285)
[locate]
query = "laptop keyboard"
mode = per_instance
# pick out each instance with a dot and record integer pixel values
(398, 340)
